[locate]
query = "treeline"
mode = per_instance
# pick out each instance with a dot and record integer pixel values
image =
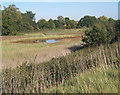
(14, 21)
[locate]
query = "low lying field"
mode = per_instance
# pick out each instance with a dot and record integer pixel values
(18, 49)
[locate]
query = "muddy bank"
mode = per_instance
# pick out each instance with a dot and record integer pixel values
(43, 40)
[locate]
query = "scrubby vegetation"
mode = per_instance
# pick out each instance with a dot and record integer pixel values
(38, 78)
(102, 79)
(105, 31)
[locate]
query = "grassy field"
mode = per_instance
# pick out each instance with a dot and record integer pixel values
(89, 70)
(17, 49)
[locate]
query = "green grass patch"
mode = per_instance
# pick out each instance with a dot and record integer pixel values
(97, 80)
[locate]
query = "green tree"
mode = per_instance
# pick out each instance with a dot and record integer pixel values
(51, 24)
(87, 21)
(42, 24)
(28, 21)
(111, 20)
(73, 24)
(11, 20)
(70, 23)
(103, 19)
(25, 22)
(57, 24)
(61, 21)
(31, 15)
(67, 22)
(99, 35)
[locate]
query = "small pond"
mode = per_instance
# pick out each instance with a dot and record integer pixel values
(39, 41)
(51, 41)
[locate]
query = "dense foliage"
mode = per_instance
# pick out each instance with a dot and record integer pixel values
(104, 31)
(14, 21)
(87, 21)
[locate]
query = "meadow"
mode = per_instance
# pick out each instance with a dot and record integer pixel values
(21, 48)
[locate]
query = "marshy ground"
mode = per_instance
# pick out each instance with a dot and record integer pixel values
(32, 46)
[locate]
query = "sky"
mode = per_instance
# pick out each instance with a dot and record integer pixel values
(60, 0)
(73, 10)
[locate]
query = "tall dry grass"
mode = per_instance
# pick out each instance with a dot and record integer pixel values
(38, 78)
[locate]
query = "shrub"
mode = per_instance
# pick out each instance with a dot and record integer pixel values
(99, 35)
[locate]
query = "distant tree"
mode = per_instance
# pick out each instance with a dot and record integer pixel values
(31, 15)
(67, 20)
(14, 21)
(73, 24)
(111, 20)
(57, 24)
(51, 24)
(61, 21)
(42, 24)
(103, 18)
(70, 23)
(28, 21)
(11, 20)
(87, 21)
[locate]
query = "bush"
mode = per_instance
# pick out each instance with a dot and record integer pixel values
(99, 35)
